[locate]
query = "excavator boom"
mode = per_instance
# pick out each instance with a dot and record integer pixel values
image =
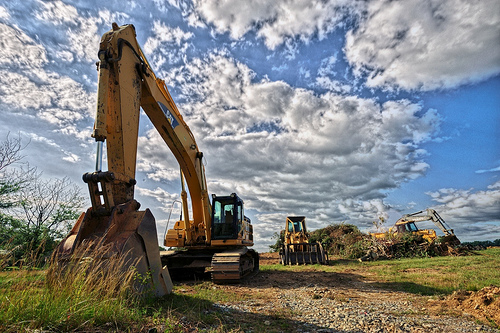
(127, 83)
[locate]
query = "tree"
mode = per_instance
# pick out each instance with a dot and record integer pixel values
(9, 182)
(280, 240)
(47, 208)
(34, 211)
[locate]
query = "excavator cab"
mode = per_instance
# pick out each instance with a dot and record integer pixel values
(227, 216)
(407, 227)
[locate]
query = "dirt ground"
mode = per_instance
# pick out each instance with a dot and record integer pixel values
(483, 305)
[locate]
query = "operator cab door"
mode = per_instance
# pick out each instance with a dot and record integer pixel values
(227, 217)
(411, 227)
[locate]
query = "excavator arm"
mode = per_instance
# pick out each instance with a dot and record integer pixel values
(114, 223)
(429, 215)
(126, 83)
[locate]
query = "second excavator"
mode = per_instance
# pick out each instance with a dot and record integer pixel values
(406, 224)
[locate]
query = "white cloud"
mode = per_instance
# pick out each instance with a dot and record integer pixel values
(82, 31)
(426, 44)
(289, 150)
(155, 158)
(166, 45)
(489, 170)
(165, 34)
(4, 13)
(274, 21)
(57, 12)
(332, 85)
(18, 50)
(58, 100)
(469, 206)
(66, 155)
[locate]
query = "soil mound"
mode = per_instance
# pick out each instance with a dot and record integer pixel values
(483, 304)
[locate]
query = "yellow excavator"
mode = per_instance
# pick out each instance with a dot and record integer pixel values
(296, 248)
(406, 224)
(114, 222)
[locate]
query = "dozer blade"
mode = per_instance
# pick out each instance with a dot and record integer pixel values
(128, 235)
(303, 254)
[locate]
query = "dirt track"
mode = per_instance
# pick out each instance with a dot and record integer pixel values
(315, 301)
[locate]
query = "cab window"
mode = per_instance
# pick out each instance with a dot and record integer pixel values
(223, 222)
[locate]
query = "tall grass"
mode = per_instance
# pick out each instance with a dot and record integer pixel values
(81, 291)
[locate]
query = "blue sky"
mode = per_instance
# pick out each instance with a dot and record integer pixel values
(336, 110)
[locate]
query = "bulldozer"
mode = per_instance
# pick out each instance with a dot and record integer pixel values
(296, 248)
(406, 224)
(114, 224)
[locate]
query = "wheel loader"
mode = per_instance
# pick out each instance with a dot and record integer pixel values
(296, 248)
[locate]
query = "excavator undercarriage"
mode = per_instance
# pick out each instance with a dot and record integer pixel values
(221, 265)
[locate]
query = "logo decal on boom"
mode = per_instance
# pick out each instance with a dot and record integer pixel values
(171, 119)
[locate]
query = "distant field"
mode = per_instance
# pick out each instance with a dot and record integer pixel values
(27, 303)
(426, 276)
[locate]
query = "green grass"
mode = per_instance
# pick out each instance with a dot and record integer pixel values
(425, 276)
(439, 275)
(29, 300)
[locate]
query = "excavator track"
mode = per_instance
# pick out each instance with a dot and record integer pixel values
(231, 266)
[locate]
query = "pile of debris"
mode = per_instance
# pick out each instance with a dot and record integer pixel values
(409, 246)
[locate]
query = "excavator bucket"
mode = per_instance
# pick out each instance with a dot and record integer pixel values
(127, 235)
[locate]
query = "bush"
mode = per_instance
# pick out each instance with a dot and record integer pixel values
(280, 239)
(342, 240)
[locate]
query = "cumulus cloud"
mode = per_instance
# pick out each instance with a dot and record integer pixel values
(57, 12)
(473, 214)
(163, 197)
(290, 151)
(469, 206)
(58, 100)
(274, 21)
(166, 44)
(82, 31)
(35, 96)
(155, 159)
(4, 13)
(427, 44)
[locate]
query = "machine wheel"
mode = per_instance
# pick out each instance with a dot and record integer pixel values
(284, 256)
